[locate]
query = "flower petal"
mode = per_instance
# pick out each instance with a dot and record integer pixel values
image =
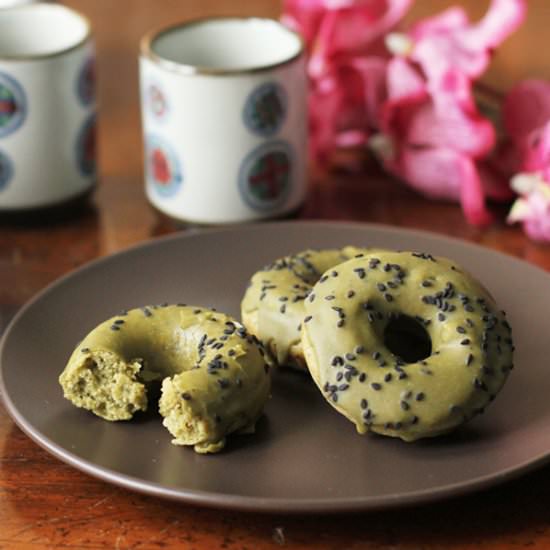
(445, 174)
(502, 18)
(449, 40)
(526, 108)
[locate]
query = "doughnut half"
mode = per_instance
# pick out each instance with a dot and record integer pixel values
(215, 379)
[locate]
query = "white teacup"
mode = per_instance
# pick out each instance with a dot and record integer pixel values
(47, 106)
(224, 120)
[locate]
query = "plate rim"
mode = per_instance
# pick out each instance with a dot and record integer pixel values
(243, 502)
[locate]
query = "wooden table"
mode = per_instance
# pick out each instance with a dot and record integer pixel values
(46, 504)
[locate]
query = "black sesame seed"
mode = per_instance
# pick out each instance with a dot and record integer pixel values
(350, 357)
(388, 297)
(376, 355)
(85, 350)
(388, 377)
(420, 396)
(350, 294)
(362, 377)
(465, 342)
(186, 396)
(381, 287)
(364, 404)
(461, 330)
(312, 297)
(340, 323)
(426, 284)
(115, 327)
(376, 386)
(405, 406)
(441, 317)
(359, 349)
(480, 385)
(308, 318)
(330, 297)
(339, 376)
(343, 387)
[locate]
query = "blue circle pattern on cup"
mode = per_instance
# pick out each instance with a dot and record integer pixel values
(85, 82)
(6, 170)
(265, 177)
(163, 167)
(265, 109)
(86, 147)
(13, 105)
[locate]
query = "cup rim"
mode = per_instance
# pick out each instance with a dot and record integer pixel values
(188, 69)
(59, 7)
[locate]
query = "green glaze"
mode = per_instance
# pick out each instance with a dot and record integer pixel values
(207, 392)
(273, 305)
(471, 353)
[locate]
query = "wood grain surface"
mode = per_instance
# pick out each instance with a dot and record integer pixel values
(46, 504)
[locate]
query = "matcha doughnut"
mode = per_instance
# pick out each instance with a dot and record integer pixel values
(405, 344)
(215, 379)
(273, 305)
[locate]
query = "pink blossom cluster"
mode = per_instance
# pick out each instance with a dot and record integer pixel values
(409, 96)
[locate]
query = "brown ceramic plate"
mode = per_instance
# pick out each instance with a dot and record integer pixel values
(305, 457)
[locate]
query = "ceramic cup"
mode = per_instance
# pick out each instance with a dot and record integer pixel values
(47, 106)
(224, 120)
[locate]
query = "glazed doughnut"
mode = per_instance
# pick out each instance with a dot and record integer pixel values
(273, 305)
(215, 379)
(405, 344)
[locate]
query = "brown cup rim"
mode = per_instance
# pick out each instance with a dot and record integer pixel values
(40, 5)
(186, 69)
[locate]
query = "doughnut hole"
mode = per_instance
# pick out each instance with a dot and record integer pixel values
(407, 338)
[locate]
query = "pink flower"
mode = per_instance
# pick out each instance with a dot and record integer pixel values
(438, 139)
(346, 66)
(526, 115)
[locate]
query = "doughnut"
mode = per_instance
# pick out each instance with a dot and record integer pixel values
(405, 344)
(215, 376)
(273, 305)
